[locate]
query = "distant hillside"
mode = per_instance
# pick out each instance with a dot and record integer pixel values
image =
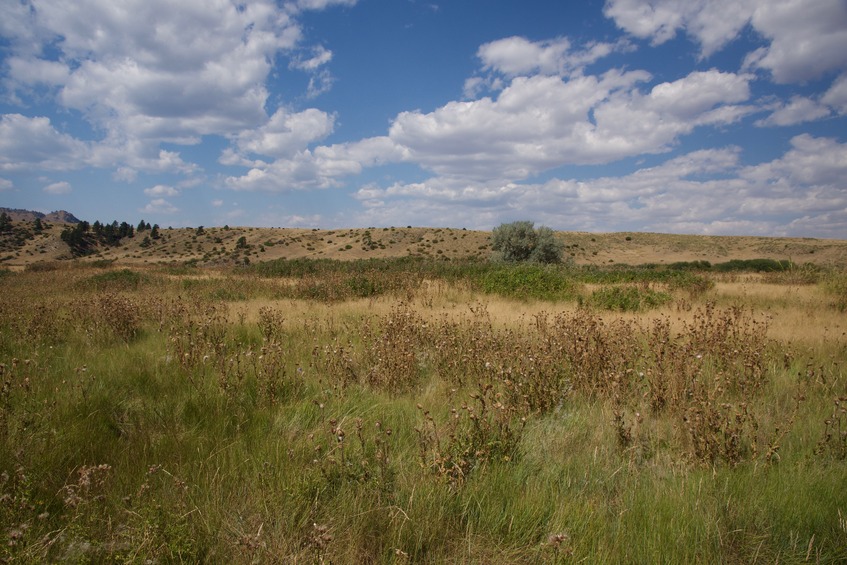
(23, 244)
(220, 247)
(58, 217)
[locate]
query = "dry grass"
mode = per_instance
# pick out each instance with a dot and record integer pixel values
(218, 246)
(170, 415)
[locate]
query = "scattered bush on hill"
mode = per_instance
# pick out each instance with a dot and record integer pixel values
(521, 241)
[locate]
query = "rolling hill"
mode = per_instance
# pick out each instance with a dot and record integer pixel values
(220, 246)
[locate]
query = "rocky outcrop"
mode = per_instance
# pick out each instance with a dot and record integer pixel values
(57, 217)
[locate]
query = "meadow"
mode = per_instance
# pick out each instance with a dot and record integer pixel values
(410, 410)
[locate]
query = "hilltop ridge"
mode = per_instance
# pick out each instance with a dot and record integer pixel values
(225, 246)
(58, 216)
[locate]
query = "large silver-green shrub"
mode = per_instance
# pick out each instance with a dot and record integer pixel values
(521, 241)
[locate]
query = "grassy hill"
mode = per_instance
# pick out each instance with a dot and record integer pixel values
(223, 246)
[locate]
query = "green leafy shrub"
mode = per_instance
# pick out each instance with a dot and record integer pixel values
(836, 285)
(529, 281)
(363, 286)
(628, 298)
(695, 285)
(122, 280)
(755, 265)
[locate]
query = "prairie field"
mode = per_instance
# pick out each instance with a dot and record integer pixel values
(415, 410)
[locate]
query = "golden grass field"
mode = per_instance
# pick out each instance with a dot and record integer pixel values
(171, 402)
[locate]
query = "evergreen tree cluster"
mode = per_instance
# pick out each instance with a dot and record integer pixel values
(5, 223)
(83, 237)
(14, 235)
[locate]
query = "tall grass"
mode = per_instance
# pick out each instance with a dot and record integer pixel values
(149, 416)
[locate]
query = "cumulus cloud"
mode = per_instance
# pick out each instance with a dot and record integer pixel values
(286, 133)
(319, 83)
(145, 72)
(34, 71)
(138, 156)
(6, 184)
(798, 110)
(162, 70)
(319, 56)
(812, 161)
(707, 192)
(541, 122)
(805, 39)
(712, 23)
(58, 188)
(161, 190)
(666, 191)
(159, 206)
(320, 79)
(536, 123)
(27, 142)
(514, 56)
(836, 96)
(321, 4)
(323, 167)
(305, 170)
(517, 56)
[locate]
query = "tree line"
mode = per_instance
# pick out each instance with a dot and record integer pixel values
(83, 237)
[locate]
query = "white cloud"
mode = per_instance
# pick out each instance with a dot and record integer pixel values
(190, 182)
(217, 203)
(322, 4)
(305, 170)
(320, 56)
(286, 133)
(812, 161)
(58, 188)
(705, 191)
(536, 123)
(161, 190)
(294, 221)
(159, 206)
(201, 72)
(6, 184)
(518, 56)
(145, 72)
(319, 83)
(125, 174)
(151, 71)
(541, 122)
(805, 39)
(34, 71)
(691, 96)
(514, 56)
(799, 110)
(836, 96)
(473, 86)
(712, 23)
(324, 167)
(138, 156)
(26, 143)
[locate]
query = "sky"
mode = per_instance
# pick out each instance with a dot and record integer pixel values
(715, 117)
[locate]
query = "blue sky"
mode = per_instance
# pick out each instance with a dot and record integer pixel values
(679, 116)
